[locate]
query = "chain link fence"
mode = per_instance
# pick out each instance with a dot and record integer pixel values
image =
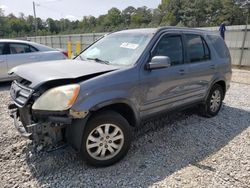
(237, 39)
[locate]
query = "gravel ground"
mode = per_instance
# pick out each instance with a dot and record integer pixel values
(177, 150)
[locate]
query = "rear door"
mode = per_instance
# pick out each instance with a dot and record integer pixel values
(21, 53)
(201, 67)
(3, 61)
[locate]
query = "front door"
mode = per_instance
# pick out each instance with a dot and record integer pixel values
(165, 88)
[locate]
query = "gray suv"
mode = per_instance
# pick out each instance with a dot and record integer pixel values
(124, 78)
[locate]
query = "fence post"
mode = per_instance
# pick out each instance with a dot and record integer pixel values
(243, 46)
(51, 41)
(81, 41)
(69, 48)
(60, 41)
(93, 37)
(46, 40)
(78, 47)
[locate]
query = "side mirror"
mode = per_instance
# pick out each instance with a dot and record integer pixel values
(159, 62)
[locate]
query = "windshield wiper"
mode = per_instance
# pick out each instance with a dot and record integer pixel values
(99, 60)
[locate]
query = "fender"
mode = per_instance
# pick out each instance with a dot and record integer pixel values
(118, 101)
(74, 132)
(94, 102)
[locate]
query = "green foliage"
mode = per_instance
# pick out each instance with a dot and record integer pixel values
(189, 13)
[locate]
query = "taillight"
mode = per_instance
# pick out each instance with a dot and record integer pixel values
(65, 54)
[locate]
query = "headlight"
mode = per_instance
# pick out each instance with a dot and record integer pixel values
(58, 98)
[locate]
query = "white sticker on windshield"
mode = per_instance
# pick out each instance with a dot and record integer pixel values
(129, 45)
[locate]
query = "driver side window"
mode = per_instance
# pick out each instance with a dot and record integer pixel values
(172, 47)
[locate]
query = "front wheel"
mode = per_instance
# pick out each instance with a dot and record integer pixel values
(213, 103)
(106, 139)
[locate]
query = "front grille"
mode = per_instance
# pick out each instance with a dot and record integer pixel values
(20, 94)
(25, 82)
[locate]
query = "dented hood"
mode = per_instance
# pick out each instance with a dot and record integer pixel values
(39, 73)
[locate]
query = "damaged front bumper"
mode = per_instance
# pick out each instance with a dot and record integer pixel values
(44, 126)
(47, 129)
(19, 126)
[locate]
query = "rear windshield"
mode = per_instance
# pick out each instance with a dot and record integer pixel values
(220, 46)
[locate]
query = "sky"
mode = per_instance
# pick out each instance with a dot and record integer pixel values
(71, 9)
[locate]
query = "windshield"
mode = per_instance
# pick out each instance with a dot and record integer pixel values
(122, 49)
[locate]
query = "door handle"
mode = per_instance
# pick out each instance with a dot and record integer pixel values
(212, 67)
(182, 72)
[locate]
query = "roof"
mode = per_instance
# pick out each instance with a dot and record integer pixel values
(155, 30)
(41, 47)
(143, 30)
(14, 40)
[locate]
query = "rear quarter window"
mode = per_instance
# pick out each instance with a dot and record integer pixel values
(219, 45)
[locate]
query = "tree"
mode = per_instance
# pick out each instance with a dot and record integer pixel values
(232, 13)
(127, 14)
(194, 15)
(156, 17)
(113, 18)
(190, 13)
(53, 26)
(172, 11)
(142, 16)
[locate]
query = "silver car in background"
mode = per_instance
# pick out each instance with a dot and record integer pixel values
(18, 52)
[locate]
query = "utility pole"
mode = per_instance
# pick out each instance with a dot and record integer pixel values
(244, 38)
(34, 10)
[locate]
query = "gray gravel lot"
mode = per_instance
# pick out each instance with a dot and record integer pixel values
(177, 150)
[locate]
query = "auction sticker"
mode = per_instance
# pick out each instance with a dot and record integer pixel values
(129, 45)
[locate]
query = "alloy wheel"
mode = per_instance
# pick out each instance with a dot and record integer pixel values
(215, 101)
(105, 142)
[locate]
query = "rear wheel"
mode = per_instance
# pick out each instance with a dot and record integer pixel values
(106, 139)
(213, 103)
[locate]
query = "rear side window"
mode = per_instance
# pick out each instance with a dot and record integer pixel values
(172, 47)
(220, 46)
(33, 49)
(197, 48)
(17, 48)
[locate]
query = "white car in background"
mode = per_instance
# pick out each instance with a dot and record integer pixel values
(18, 52)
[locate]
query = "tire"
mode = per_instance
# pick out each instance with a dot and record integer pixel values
(207, 109)
(106, 139)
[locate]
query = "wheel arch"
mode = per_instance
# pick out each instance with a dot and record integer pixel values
(220, 82)
(121, 106)
(74, 132)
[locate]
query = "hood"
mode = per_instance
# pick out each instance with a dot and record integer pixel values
(39, 73)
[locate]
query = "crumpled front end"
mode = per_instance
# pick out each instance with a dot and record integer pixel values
(43, 127)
